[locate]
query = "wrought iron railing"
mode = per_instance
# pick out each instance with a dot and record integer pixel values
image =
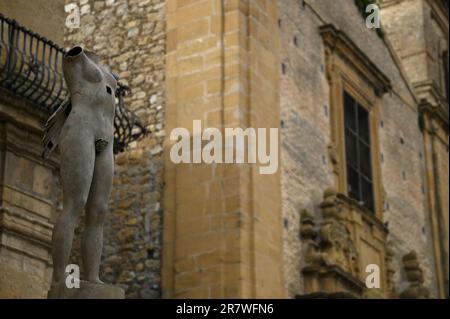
(127, 126)
(31, 68)
(30, 65)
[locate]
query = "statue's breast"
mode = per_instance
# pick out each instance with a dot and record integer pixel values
(94, 105)
(110, 83)
(103, 93)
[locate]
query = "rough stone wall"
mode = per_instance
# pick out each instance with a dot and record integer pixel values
(421, 50)
(436, 44)
(306, 134)
(402, 18)
(305, 131)
(403, 168)
(129, 35)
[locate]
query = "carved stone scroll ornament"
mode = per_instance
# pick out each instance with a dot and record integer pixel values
(330, 257)
(414, 274)
(334, 246)
(336, 242)
(308, 234)
(334, 156)
(390, 272)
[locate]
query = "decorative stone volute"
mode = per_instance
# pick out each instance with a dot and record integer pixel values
(390, 271)
(307, 226)
(308, 234)
(414, 275)
(329, 206)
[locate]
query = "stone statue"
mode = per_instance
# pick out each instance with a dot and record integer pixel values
(83, 126)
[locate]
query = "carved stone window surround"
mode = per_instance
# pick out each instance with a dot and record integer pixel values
(349, 236)
(350, 70)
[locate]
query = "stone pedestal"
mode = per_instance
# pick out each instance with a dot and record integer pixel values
(90, 290)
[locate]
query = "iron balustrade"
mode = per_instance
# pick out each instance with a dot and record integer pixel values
(31, 68)
(30, 65)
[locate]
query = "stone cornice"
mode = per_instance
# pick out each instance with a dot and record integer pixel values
(440, 14)
(341, 44)
(29, 229)
(13, 137)
(437, 106)
(21, 112)
(436, 112)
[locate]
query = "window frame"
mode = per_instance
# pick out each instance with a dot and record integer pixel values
(349, 69)
(350, 81)
(368, 143)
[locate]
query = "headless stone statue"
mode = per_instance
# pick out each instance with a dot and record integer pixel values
(84, 129)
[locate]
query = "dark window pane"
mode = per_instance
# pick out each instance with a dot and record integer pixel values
(358, 152)
(363, 124)
(351, 150)
(364, 164)
(353, 183)
(350, 112)
(367, 194)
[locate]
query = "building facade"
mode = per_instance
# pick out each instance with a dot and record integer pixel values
(362, 182)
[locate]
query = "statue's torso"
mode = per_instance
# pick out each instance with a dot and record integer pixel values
(92, 88)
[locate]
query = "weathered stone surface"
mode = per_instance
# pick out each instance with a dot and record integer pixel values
(225, 220)
(28, 202)
(422, 54)
(306, 131)
(89, 290)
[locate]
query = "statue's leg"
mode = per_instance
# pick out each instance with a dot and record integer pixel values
(77, 167)
(96, 209)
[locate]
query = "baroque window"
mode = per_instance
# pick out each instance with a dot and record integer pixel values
(357, 86)
(358, 152)
(356, 89)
